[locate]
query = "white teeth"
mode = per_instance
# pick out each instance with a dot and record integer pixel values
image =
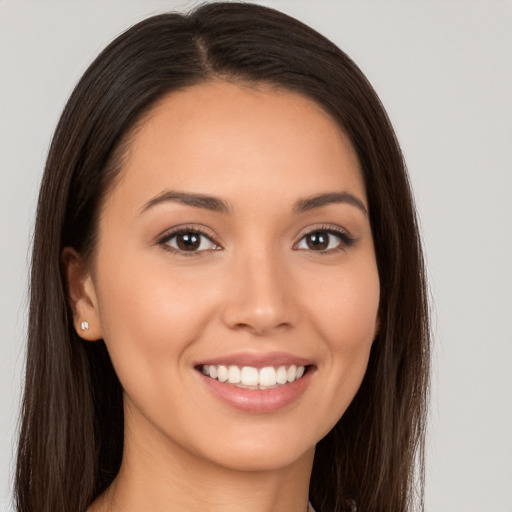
(234, 375)
(291, 374)
(253, 378)
(222, 373)
(267, 376)
(281, 376)
(249, 376)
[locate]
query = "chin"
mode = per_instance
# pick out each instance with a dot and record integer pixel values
(263, 460)
(265, 451)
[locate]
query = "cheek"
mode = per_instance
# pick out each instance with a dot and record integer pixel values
(345, 314)
(150, 315)
(345, 307)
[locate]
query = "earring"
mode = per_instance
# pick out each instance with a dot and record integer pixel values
(84, 325)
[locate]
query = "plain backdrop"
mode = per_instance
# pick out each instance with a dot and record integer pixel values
(443, 70)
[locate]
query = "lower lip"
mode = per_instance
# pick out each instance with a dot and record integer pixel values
(258, 400)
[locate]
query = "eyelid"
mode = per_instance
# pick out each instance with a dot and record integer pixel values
(203, 231)
(347, 240)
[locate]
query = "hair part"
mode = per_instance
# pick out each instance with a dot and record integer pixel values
(71, 435)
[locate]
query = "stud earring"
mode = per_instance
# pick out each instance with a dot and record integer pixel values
(84, 325)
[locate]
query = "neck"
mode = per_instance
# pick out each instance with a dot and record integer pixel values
(164, 479)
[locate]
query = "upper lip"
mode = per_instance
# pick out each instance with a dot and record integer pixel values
(257, 360)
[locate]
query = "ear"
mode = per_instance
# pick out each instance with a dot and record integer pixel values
(81, 295)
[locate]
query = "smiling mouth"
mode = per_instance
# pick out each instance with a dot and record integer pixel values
(250, 377)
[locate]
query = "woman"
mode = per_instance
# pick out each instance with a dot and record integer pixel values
(228, 302)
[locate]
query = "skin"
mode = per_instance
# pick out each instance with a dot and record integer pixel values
(258, 287)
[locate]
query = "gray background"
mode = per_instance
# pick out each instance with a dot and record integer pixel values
(443, 70)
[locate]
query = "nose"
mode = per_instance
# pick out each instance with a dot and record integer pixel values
(260, 295)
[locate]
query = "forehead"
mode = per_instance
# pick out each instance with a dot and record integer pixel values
(221, 138)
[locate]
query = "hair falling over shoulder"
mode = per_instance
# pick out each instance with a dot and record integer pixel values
(71, 436)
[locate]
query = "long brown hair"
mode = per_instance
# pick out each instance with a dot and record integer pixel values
(71, 437)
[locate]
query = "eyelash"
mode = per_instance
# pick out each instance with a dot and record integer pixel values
(192, 230)
(346, 240)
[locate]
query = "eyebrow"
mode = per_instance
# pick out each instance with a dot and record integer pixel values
(217, 205)
(308, 203)
(197, 200)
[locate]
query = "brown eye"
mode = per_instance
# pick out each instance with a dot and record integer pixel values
(327, 240)
(317, 241)
(188, 241)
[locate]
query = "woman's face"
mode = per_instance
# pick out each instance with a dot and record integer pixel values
(237, 243)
